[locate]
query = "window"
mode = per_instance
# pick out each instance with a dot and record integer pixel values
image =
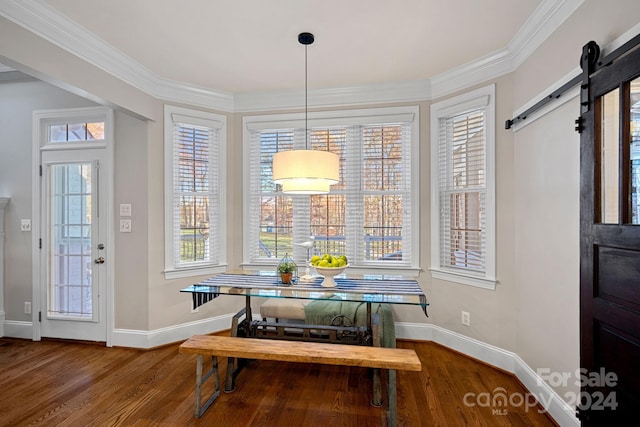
(194, 197)
(77, 127)
(69, 132)
(371, 215)
(463, 189)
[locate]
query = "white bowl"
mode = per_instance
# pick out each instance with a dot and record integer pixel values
(329, 273)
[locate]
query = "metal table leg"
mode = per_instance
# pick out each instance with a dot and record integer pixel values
(232, 366)
(392, 399)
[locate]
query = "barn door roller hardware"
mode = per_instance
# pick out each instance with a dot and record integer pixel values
(591, 63)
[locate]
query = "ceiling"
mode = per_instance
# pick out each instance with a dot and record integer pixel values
(246, 46)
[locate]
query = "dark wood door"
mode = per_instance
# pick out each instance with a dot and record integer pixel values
(610, 244)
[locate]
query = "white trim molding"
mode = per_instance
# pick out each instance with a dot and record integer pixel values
(149, 339)
(216, 124)
(484, 99)
(5, 68)
(18, 329)
(40, 120)
(547, 17)
(4, 201)
(46, 22)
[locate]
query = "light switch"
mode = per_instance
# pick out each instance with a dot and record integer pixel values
(125, 209)
(125, 226)
(25, 225)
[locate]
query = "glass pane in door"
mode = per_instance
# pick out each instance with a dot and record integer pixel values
(610, 157)
(635, 150)
(70, 287)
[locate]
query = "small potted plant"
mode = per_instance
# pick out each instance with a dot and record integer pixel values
(287, 270)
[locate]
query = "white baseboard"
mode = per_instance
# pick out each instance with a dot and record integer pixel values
(561, 412)
(157, 337)
(16, 329)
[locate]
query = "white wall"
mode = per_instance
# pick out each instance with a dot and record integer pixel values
(546, 174)
(492, 311)
(18, 100)
(547, 256)
(534, 310)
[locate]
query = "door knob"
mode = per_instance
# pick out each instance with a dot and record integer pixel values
(99, 260)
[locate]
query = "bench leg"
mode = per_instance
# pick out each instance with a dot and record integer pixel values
(200, 380)
(392, 399)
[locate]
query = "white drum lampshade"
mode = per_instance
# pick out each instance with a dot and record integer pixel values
(306, 171)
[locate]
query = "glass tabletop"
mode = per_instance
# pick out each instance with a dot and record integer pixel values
(366, 288)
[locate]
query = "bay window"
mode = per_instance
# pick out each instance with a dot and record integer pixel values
(371, 215)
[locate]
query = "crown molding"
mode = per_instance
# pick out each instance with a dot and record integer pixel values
(547, 17)
(46, 22)
(5, 68)
(410, 91)
(184, 93)
(479, 71)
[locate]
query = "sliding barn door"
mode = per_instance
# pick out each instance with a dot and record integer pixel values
(610, 242)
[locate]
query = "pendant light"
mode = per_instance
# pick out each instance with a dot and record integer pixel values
(306, 171)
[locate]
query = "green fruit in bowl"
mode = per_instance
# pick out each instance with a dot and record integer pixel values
(329, 261)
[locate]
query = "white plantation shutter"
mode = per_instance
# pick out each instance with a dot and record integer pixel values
(269, 234)
(327, 214)
(463, 189)
(367, 215)
(194, 190)
(385, 193)
(461, 165)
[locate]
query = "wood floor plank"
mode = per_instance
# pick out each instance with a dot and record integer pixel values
(78, 384)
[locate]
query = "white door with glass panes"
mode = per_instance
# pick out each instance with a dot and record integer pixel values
(75, 172)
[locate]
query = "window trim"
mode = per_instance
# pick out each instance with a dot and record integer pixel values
(219, 123)
(336, 118)
(482, 97)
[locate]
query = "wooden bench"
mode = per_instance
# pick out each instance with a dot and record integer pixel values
(391, 359)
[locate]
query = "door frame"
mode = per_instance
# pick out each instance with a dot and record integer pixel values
(40, 120)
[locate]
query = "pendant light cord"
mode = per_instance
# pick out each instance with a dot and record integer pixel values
(306, 39)
(306, 126)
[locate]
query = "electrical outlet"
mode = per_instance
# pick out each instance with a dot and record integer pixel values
(125, 226)
(27, 307)
(466, 318)
(25, 225)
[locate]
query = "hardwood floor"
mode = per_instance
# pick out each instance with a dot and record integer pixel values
(60, 383)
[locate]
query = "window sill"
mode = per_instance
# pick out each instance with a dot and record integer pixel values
(194, 271)
(464, 279)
